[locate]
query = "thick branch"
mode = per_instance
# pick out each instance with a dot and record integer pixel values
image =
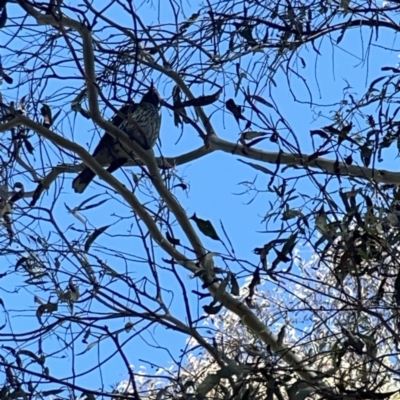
(296, 161)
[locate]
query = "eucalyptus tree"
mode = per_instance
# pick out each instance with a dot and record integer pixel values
(301, 98)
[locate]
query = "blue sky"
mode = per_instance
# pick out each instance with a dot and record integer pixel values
(214, 180)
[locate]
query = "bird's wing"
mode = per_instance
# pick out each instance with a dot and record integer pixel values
(107, 141)
(147, 117)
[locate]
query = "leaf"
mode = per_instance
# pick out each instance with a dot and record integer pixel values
(46, 113)
(28, 145)
(189, 22)
(320, 133)
(349, 160)
(93, 236)
(6, 77)
(172, 240)
(366, 154)
(317, 154)
(289, 244)
(176, 97)
(207, 385)
(254, 142)
(258, 167)
(211, 309)
(289, 214)
(20, 262)
(73, 293)
(37, 193)
(91, 345)
(221, 287)
(45, 308)
(128, 326)
(281, 336)
(33, 356)
(341, 36)
(255, 281)
(161, 393)
(261, 100)
(3, 20)
(80, 207)
(205, 227)
(89, 396)
(94, 205)
(234, 109)
(252, 135)
(202, 100)
(235, 289)
(52, 392)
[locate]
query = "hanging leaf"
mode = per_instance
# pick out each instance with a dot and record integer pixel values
(89, 396)
(289, 214)
(254, 282)
(366, 154)
(45, 308)
(246, 32)
(56, 116)
(176, 98)
(261, 100)
(92, 237)
(235, 289)
(222, 286)
(28, 145)
(235, 109)
(289, 244)
(320, 133)
(6, 77)
(202, 100)
(172, 240)
(46, 113)
(281, 336)
(37, 193)
(52, 392)
(74, 291)
(254, 142)
(258, 167)
(211, 309)
(3, 19)
(349, 160)
(252, 135)
(8, 225)
(321, 220)
(19, 193)
(33, 356)
(183, 28)
(341, 36)
(205, 227)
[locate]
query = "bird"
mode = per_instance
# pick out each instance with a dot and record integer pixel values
(110, 151)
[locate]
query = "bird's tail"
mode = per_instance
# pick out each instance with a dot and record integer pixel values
(81, 182)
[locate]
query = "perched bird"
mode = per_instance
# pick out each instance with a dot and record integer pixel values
(110, 151)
